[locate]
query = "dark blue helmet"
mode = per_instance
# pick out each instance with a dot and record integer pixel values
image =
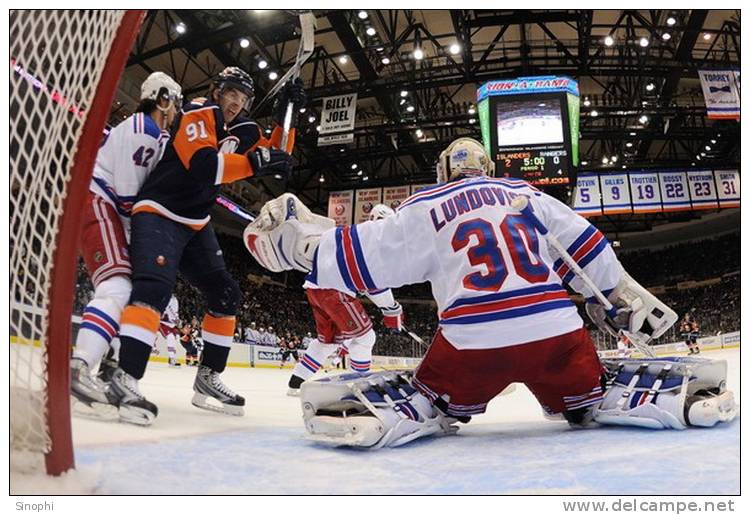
(236, 78)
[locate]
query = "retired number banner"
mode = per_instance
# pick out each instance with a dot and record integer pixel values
(644, 188)
(674, 191)
(702, 189)
(728, 183)
(340, 206)
(615, 194)
(588, 197)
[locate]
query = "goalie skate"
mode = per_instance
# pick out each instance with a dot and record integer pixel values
(208, 385)
(89, 394)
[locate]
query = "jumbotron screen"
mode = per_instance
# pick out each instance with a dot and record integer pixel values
(529, 122)
(530, 139)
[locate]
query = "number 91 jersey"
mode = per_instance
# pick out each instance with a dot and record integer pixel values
(493, 276)
(127, 156)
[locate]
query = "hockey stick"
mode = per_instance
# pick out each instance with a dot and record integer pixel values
(521, 203)
(415, 337)
(305, 50)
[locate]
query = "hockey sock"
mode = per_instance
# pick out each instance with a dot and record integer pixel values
(114, 349)
(313, 359)
(137, 335)
(215, 357)
(171, 347)
(217, 332)
(97, 330)
(360, 352)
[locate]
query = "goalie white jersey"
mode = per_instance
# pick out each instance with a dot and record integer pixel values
(128, 155)
(494, 278)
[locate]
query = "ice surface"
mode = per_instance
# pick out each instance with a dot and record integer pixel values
(511, 449)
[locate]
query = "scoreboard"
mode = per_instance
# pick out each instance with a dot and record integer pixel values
(530, 127)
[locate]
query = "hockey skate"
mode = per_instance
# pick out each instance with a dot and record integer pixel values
(89, 393)
(106, 369)
(173, 362)
(133, 406)
(209, 384)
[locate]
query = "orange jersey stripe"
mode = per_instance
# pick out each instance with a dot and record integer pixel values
(236, 167)
(140, 316)
(223, 326)
(197, 130)
(152, 209)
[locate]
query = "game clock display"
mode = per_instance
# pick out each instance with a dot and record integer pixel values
(536, 166)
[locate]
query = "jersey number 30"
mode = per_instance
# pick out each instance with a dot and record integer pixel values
(522, 243)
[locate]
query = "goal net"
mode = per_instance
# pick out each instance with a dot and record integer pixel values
(65, 65)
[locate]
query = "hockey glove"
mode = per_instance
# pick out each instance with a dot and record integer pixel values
(294, 92)
(290, 246)
(393, 317)
(269, 161)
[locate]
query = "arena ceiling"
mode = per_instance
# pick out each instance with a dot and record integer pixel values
(620, 82)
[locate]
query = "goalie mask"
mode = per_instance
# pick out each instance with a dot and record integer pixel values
(464, 157)
(381, 211)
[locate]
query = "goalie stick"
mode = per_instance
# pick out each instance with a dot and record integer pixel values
(521, 203)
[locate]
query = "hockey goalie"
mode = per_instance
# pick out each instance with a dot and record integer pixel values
(504, 312)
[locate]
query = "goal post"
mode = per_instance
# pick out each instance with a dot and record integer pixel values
(65, 67)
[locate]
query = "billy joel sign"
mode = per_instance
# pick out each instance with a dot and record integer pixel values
(337, 119)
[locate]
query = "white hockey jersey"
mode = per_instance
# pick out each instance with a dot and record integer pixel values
(171, 314)
(252, 336)
(128, 155)
(494, 278)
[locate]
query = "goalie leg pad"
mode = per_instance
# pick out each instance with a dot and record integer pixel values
(373, 410)
(671, 393)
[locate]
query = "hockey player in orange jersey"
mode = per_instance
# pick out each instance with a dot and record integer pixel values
(172, 233)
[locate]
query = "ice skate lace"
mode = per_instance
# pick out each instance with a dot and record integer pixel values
(131, 385)
(218, 384)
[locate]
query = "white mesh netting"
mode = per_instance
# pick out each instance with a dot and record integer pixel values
(57, 60)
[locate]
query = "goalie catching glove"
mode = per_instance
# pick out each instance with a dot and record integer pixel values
(285, 235)
(638, 312)
(373, 410)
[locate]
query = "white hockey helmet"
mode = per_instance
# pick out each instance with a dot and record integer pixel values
(381, 211)
(465, 156)
(159, 85)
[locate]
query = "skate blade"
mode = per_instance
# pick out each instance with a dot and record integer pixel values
(136, 416)
(201, 401)
(94, 411)
(292, 392)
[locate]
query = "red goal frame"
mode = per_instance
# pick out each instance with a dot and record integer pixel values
(62, 286)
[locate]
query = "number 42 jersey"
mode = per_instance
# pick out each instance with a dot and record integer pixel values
(494, 278)
(127, 156)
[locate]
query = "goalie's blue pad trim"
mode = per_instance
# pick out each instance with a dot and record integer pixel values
(646, 381)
